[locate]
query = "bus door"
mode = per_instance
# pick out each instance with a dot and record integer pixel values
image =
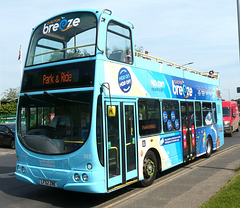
(121, 143)
(188, 131)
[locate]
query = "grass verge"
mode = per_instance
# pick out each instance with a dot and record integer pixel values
(228, 196)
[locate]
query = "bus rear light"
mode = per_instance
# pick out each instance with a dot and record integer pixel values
(23, 170)
(76, 177)
(84, 177)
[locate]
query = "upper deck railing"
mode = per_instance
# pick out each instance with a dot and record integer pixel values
(214, 75)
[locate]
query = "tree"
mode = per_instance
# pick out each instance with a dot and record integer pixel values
(10, 94)
(10, 101)
(8, 108)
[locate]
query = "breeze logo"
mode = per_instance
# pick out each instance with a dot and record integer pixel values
(124, 80)
(179, 88)
(62, 24)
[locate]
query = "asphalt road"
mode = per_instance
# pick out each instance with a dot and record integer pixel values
(187, 185)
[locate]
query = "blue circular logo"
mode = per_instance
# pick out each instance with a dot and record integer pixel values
(184, 90)
(169, 125)
(124, 80)
(165, 116)
(176, 124)
(63, 24)
(173, 116)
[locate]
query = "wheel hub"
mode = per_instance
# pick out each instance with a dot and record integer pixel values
(149, 168)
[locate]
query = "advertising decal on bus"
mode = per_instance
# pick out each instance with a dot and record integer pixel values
(60, 23)
(127, 81)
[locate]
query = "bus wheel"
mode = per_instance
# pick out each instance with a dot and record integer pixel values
(149, 169)
(209, 147)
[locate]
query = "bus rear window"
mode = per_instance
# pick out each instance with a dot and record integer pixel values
(63, 37)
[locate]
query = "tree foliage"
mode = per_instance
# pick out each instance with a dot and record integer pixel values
(9, 101)
(8, 108)
(10, 94)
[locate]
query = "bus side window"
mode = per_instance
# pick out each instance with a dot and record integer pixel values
(214, 111)
(170, 114)
(149, 116)
(198, 113)
(119, 43)
(207, 114)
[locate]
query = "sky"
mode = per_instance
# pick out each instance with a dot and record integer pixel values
(181, 31)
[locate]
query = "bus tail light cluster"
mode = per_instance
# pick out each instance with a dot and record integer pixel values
(84, 177)
(19, 169)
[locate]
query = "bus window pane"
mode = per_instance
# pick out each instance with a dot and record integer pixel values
(43, 51)
(198, 113)
(214, 111)
(99, 130)
(54, 123)
(113, 145)
(207, 114)
(170, 113)
(130, 137)
(149, 116)
(63, 37)
(184, 113)
(119, 43)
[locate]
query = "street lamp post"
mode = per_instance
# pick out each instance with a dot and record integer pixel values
(238, 17)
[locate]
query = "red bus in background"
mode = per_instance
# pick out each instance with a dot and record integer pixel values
(230, 117)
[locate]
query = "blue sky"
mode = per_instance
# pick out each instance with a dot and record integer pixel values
(180, 31)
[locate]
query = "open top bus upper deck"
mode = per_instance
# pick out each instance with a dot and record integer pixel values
(81, 34)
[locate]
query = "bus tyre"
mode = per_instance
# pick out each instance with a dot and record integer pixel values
(149, 169)
(209, 147)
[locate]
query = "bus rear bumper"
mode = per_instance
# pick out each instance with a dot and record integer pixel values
(65, 179)
(24, 178)
(97, 187)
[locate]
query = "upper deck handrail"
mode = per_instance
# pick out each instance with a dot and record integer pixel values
(177, 66)
(63, 49)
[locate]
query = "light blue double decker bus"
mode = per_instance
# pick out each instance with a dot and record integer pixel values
(95, 116)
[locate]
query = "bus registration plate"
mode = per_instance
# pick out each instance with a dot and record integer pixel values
(48, 183)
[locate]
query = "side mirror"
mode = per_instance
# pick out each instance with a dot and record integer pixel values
(234, 115)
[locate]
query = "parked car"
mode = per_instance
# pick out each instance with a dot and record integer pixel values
(7, 134)
(230, 117)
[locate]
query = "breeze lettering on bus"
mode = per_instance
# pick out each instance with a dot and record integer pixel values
(178, 89)
(63, 25)
(64, 77)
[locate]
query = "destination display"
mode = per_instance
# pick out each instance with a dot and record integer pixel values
(62, 76)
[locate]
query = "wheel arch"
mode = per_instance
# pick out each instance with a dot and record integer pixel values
(208, 153)
(210, 137)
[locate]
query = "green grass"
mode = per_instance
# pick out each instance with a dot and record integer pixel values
(228, 196)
